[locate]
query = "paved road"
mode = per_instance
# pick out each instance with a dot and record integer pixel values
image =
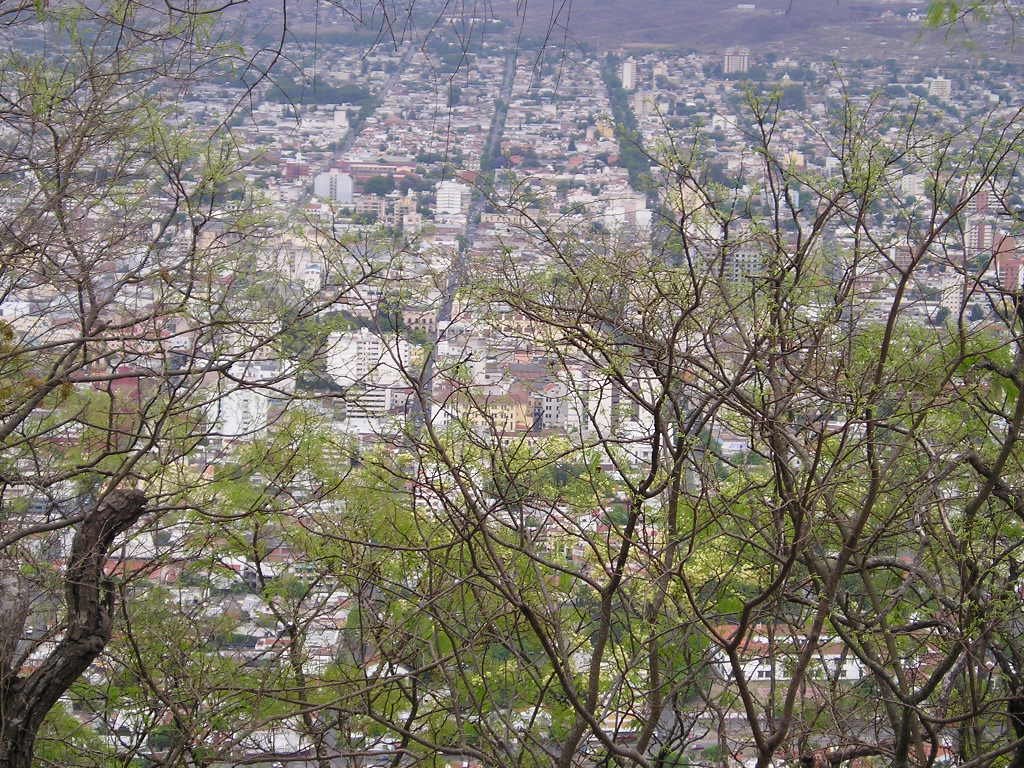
(457, 269)
(493, 150)
(353, 132)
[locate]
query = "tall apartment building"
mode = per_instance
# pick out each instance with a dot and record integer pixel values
(737, 61)
(941, 87)
(451, 197)
(628, 75)
(1009, 263)
(979, 228)
(334, 185)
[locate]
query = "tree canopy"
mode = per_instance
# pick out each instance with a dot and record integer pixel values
(744, 484)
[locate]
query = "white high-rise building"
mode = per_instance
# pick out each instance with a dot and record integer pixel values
(358, 356)
(334, 185)
(371, 368)
(941, 87)
(451, 198)
(736, 61)
(243, 407)
(629, 74)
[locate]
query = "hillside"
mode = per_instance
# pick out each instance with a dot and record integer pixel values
(833, 27)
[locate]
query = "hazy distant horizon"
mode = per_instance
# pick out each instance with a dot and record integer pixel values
(840, 27)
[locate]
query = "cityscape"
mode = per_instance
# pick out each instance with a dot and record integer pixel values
(432, 386)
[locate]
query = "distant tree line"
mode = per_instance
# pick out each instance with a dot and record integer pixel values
(288, 90)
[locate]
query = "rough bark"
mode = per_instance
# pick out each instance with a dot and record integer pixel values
(1015, 711)
(89, 598)
(833, 758)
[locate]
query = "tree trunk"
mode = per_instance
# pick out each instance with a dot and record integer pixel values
(1015, 710)
(89, 599)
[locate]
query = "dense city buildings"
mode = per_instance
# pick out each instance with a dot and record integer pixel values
(498, 353)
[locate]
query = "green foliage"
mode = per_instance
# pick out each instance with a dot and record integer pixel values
(945, 12)
(632, 155)
(289, 90)
(63, 740)
(379, 185)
